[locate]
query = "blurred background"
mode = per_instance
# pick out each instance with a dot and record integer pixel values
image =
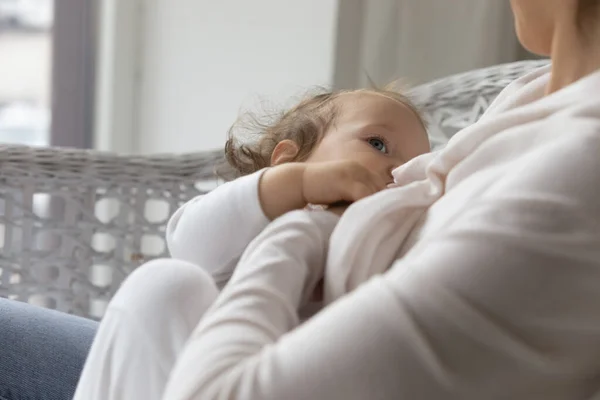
(155, 76)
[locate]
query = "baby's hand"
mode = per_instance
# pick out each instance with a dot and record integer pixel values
(339, 181)
(293, 186)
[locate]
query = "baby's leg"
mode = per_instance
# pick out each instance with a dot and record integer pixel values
(144, 329)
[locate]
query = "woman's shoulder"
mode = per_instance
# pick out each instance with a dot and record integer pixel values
(528, 88)
(558, 157)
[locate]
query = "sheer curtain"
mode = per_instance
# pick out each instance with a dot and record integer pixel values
(420, 40)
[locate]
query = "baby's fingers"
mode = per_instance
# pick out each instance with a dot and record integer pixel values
(359, 190)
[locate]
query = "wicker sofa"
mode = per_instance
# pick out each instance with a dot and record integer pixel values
(74, 223)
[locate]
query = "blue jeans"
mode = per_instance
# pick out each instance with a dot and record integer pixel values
(42, 352)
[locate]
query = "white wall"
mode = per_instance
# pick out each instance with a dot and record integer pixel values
(202, 59)
(421, 40)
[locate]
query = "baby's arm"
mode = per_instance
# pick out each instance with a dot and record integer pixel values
(212, 230)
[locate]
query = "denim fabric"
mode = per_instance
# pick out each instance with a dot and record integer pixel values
(42, 351)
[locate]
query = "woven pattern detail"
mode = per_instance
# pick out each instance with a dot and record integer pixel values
(74, 223)
(453, 103)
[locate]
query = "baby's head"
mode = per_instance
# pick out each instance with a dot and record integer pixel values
(381, 129)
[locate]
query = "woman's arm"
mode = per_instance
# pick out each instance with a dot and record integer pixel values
(503, 303)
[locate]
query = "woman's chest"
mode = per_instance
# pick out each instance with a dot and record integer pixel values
(456, 200)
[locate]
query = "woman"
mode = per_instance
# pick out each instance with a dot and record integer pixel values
(497, 297)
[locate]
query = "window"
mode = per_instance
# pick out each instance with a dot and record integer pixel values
(25, 70)
(46, 72)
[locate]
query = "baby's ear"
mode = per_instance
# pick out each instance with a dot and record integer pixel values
(284, 152)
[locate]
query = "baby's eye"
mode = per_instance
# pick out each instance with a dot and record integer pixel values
(378, 144)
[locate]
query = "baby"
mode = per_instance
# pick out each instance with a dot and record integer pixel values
(331, 149)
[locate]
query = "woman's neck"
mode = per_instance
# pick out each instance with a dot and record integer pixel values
(574, 55)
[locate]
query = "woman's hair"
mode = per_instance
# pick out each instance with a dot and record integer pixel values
(251, 141)
(588, 14)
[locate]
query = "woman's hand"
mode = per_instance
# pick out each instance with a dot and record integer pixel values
(293, 186)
